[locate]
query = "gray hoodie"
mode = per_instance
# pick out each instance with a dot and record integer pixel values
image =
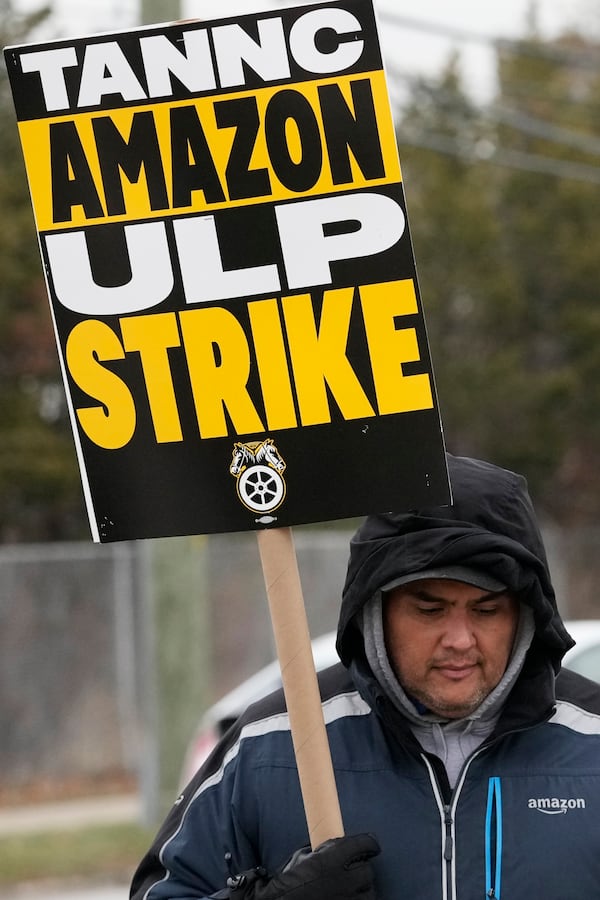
(452, 740)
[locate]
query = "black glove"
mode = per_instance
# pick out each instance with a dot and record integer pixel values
(339, 869)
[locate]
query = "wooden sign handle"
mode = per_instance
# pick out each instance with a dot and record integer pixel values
(292, 639)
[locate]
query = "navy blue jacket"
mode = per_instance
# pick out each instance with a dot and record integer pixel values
(523, 821)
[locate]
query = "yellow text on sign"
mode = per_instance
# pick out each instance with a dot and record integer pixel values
(146, 162)
(295, 391)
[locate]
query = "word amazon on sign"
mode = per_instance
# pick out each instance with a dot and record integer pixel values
(223, 231)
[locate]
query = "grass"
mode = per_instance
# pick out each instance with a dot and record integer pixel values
(110, 851)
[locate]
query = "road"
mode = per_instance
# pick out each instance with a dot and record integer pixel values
(70, 814)
(107, 892)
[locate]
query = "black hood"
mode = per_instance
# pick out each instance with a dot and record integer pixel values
(491, 527)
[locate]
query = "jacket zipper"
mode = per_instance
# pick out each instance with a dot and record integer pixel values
(448, 838)
(446, 810)
(449, 849)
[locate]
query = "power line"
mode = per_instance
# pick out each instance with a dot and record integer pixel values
(531, 45)
(500, 156)
(461, 34)
(540, 128)
(515, 119)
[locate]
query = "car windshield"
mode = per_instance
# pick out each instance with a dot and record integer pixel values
(586, 662)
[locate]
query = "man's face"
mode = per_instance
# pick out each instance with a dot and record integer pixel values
(449, 642)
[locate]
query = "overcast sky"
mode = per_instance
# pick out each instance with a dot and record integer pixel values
(419, 43)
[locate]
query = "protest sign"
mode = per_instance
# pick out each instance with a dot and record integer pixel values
(224, 235)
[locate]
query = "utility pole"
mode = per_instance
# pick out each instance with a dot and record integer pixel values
(160, 11)
(176, 655)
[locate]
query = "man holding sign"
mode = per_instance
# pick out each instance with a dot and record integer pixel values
(222, 221)
(465, 760)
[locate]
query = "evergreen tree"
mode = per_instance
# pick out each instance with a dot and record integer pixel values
(502, 205)
(39, 480)
(549, 214)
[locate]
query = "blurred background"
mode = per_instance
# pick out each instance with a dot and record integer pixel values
(109, 655)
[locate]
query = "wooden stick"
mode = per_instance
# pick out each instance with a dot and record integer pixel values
(292, 639)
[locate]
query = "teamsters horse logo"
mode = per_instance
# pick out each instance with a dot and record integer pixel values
(258, 468)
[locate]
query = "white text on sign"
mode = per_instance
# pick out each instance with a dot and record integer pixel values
(368, 223)
(106, 71)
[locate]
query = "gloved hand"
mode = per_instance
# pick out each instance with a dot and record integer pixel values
(339, 869)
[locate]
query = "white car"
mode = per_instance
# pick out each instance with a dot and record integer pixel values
(583, 658)
(219, 717)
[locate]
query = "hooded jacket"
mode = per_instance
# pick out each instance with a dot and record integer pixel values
(491, 526)
(523, 818)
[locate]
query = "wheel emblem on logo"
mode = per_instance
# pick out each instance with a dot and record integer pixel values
(258, 468)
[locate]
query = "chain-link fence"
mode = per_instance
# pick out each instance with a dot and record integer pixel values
(68, 663)
(110, 653)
